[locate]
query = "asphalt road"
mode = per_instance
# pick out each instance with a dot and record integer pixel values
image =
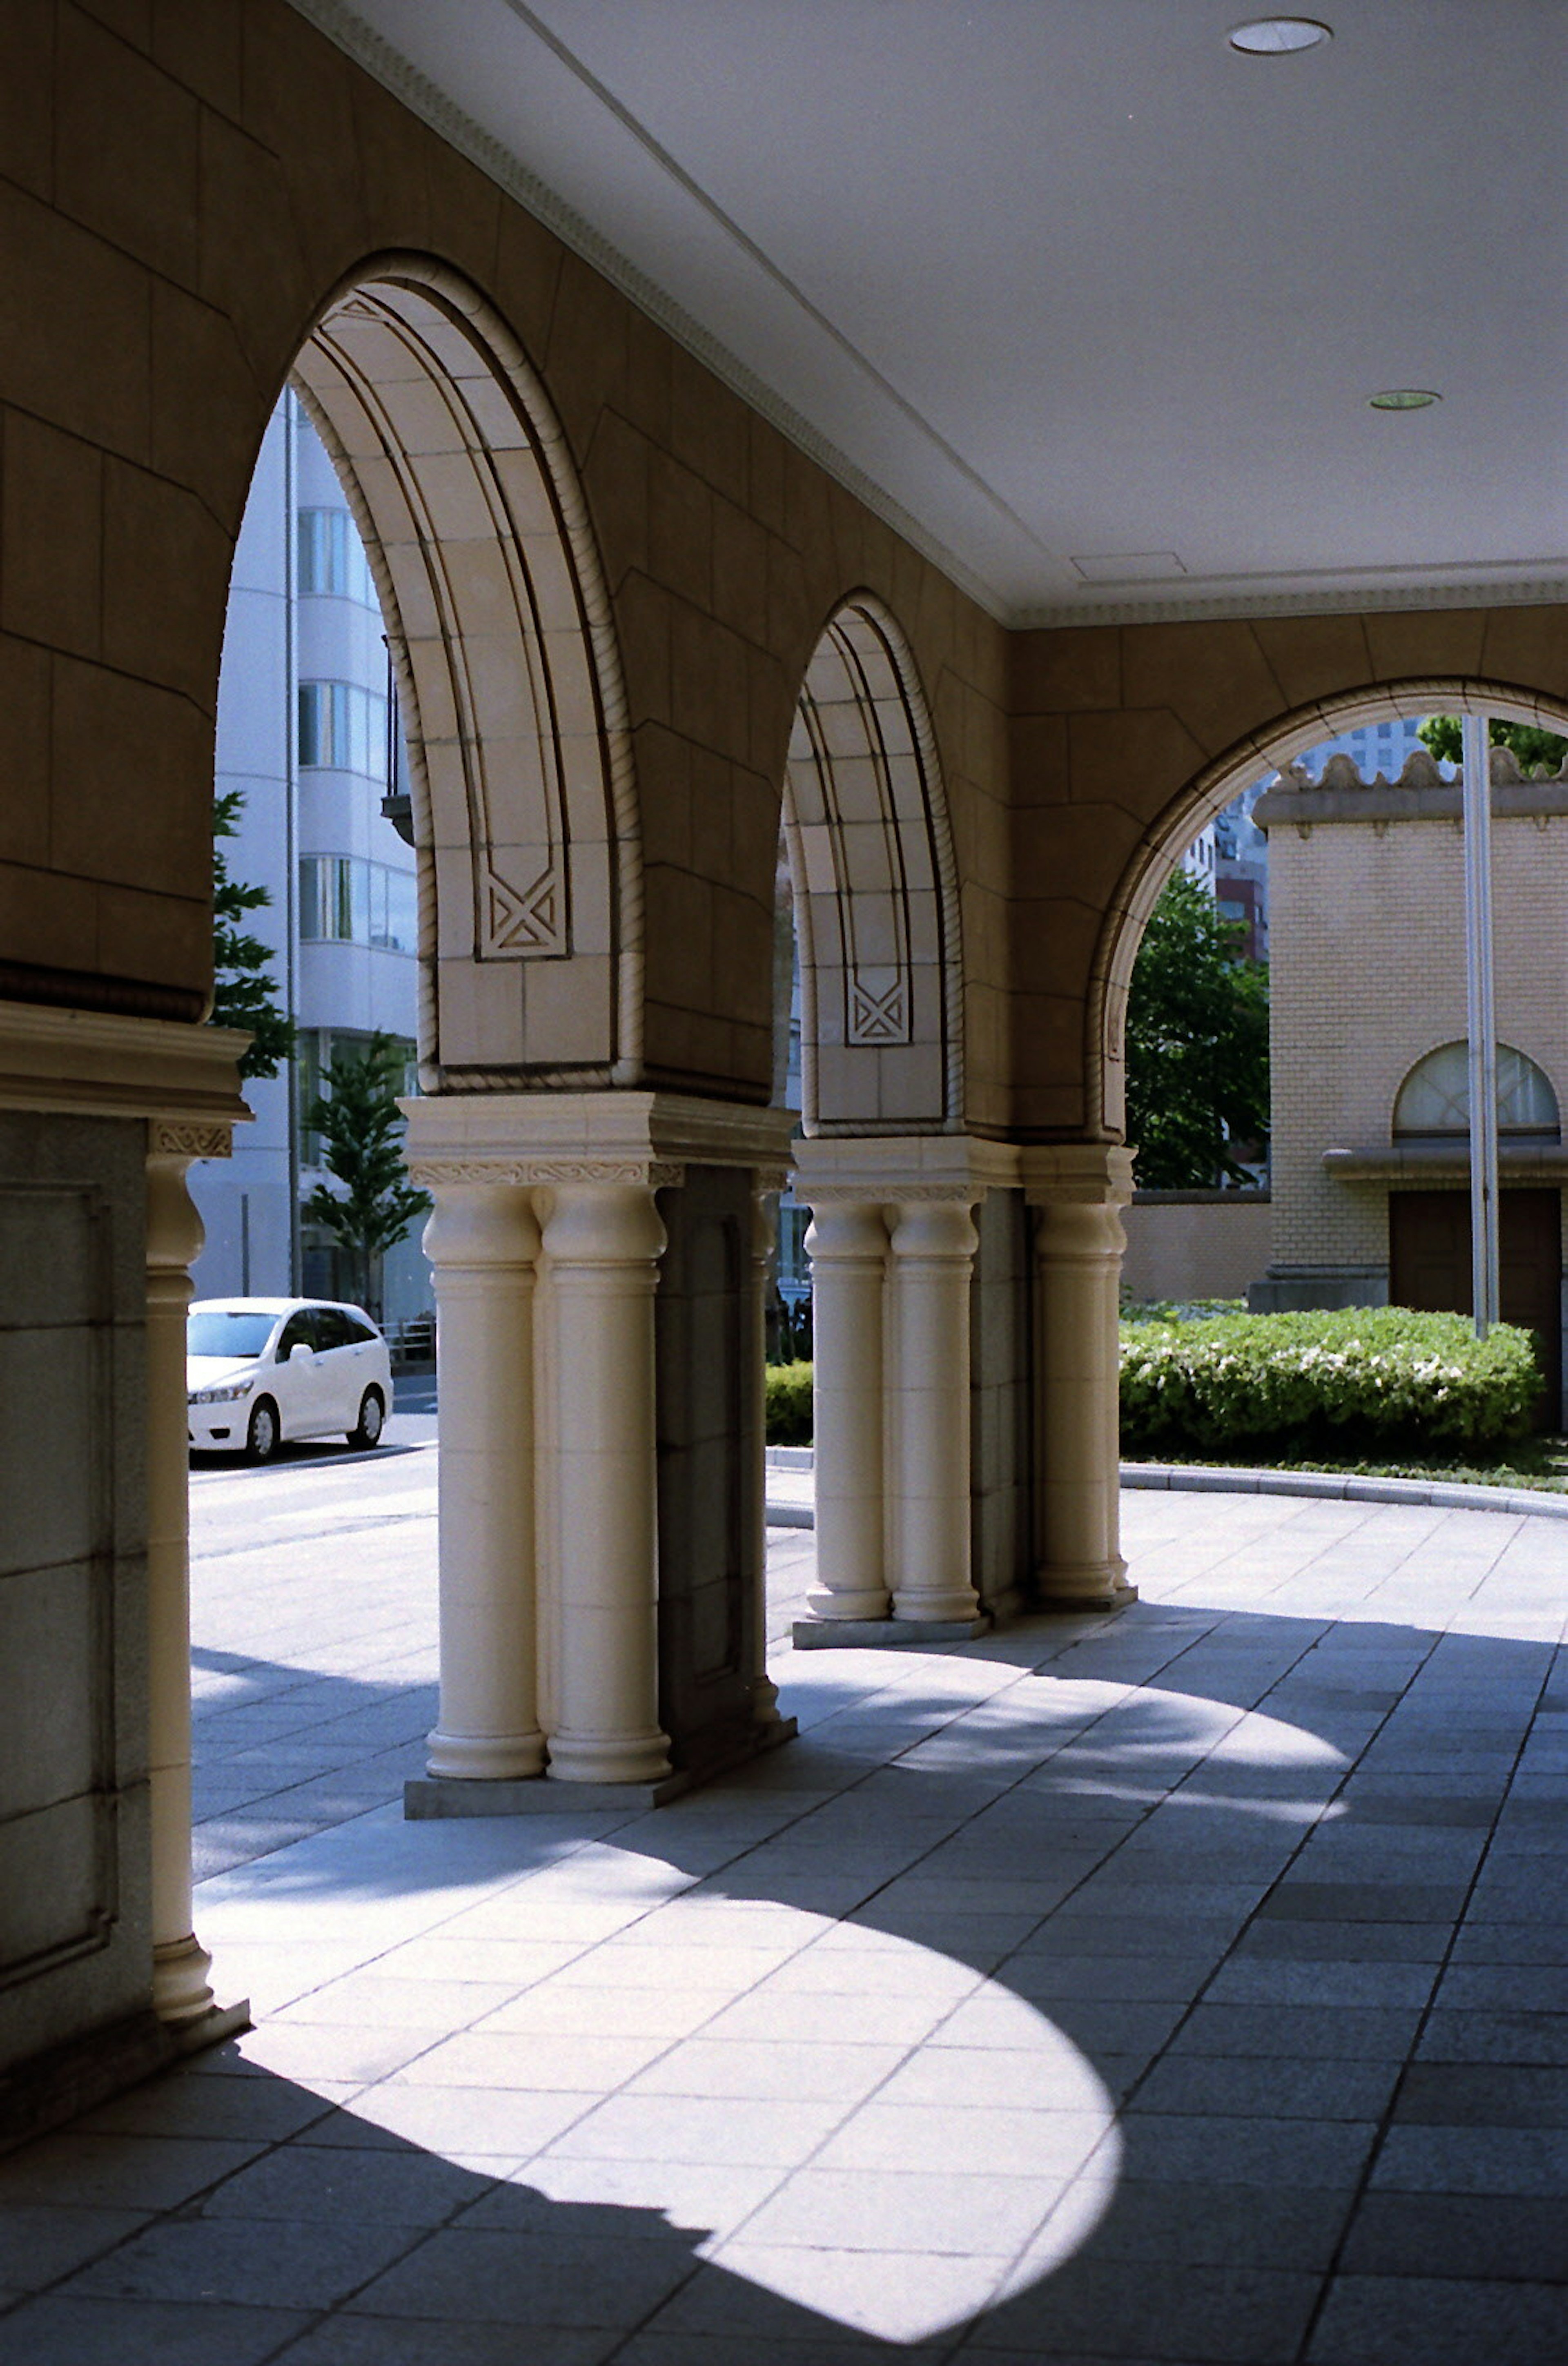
(313, 1631)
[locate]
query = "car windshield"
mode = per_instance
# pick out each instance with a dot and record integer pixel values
(235, 1333)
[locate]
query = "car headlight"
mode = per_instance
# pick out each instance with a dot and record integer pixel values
(220, 1396)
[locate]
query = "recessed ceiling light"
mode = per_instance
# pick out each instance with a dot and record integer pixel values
(1403, 398)
(1277, 37)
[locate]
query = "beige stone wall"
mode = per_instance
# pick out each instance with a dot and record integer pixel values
(1194, 1245)
(182, 191)
(1367, 973)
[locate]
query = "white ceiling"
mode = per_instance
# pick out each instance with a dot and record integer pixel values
(1083, 300)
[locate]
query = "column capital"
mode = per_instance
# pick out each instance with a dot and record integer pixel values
(541, 1139)
(486, 1223)
(845, 1231)
(936, 1228)
(1076, 1174)
(174, 1229)
(902, 1169)
(603, 1221)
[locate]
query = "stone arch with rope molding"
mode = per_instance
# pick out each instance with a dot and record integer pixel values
(875, 887)
(500, 628)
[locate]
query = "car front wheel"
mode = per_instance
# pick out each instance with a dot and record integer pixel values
(368, 1430)
(262, 1436)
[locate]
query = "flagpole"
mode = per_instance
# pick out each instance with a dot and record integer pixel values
(1482, 1024)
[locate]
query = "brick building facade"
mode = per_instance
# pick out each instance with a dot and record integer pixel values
(1368, 967)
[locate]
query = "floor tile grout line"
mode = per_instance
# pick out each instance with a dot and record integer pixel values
(1363, 2182)
(1023, 1674)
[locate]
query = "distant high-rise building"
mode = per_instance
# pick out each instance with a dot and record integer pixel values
(307, 733)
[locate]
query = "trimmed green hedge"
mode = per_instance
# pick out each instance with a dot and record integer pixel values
(789, 1404)
(1256, 1385)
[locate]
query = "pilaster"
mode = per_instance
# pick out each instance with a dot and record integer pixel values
(1077, 1191)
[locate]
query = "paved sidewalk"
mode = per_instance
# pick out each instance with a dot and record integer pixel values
(1185, 1986)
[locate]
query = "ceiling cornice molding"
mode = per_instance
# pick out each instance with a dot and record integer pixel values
(1193, 605)
(422, 97)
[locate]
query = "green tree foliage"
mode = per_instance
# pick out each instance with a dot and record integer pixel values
(245, 993)
(1530, 745)
(360, 1126)
(1197, 1045)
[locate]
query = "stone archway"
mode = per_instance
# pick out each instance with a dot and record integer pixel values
(875, 888)
(1207, 794)
(497, 616)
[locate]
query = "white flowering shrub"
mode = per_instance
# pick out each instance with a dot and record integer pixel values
(1350, 1382)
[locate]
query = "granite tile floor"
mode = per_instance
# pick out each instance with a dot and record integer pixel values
(1188, 1986)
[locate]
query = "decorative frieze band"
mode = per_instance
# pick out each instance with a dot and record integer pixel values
(170, 1139)
(435, 1173)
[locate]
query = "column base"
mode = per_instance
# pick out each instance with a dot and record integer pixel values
(485, 1758)
(939, 1609)
(590, 1757)
(427, 1801)
(181, 1991)
(885, 1633)
(1083, 1585)
(871, 1603)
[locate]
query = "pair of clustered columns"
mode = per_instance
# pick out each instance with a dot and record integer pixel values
(890, 1343)
(545, 1242)
(892, 1243)
(588, 1673)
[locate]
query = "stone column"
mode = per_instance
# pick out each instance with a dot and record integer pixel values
(934, 1242)
(763, 1692)
(181, 1991)
(847, 1243)
(1078, 1191)
(482, 1241)
(603, 1241)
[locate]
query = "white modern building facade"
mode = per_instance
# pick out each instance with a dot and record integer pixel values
(307, 737)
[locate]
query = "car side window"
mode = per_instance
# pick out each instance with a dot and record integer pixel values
(298, 1331)
(360, 1333)
(332, 1329)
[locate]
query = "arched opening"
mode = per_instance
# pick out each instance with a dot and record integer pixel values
(875, 889)
(1205, 796)
(1370, 1092)
(504, 728)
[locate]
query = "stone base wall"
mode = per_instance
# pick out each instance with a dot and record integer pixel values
(75, 1936)
(1186, 1244)
(1293, 1290)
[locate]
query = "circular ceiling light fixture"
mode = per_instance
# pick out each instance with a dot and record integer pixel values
(1277, 37)
(1403, 398)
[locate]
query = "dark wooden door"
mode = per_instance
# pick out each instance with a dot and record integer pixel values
(1429, 1240)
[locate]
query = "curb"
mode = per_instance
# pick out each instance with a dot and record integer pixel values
(1329, 1486)
(1340, 1487)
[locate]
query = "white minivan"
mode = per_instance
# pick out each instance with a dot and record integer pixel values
(262, 1369)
